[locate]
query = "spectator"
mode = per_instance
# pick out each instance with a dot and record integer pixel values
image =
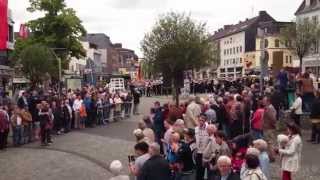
(156, 168)
(257, 122)
(225, 171)
(315, 120)
(141, 150)
(147, 132)
(253, 170)
(192, 113)
(136, 101)
(116, 168)
(296, 109)
(269, 126)
(202, 140)
(4, 128)
(262, 146)
(16, 123)
(291, 154)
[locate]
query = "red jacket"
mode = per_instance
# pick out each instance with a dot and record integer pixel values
(4, 121)
(257, 120)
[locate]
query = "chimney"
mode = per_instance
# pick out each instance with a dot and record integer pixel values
(308, 2)
(262, 13)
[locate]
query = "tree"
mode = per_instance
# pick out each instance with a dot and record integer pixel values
(37, 62)
(58, 28)
(177, 44)
(300, 37)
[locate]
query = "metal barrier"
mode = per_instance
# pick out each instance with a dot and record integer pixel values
(114, 112)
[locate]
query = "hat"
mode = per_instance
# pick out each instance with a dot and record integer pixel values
(116, 167)
(190, 132)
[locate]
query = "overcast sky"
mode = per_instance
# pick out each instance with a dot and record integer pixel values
(126, 21)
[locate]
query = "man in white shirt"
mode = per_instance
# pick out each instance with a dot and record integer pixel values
(202, 140)
(76, 107)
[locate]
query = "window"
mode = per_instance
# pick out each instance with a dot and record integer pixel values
(240, 60)
(277, 43)
(224, 52)
(287, 59)
(234, 61)
(234, 50)
(315, 19)
(290, 60)
(240, 48)
(266, 43)
(237, 49)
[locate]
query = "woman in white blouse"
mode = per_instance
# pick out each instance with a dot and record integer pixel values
(291, 152)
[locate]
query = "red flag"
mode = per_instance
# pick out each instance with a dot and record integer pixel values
(4, 27)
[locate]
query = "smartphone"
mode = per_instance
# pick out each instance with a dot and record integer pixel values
(131, 158)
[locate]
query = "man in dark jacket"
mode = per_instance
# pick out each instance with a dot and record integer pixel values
(136, 101)
(225, 172)
(156, 168)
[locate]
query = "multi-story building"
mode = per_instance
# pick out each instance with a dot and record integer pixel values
(234, 42)
(7, 45)
(310, 10)
(278, 55)
(127, 61)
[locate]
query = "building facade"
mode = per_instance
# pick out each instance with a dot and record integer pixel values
(278, 55)
(234, 42)
(310, 10)
(6, 73)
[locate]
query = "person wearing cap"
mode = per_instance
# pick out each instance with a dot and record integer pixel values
(116, 169)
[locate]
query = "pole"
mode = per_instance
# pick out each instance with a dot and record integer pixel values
(262, 56)
(60, 76)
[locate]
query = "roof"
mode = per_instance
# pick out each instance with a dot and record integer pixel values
(241, 26)
(314, 5)
(99, 39)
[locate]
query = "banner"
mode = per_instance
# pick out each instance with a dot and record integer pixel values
(24, 32)
(4, 28)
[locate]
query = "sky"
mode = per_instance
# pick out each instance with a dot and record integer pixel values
(127, 21)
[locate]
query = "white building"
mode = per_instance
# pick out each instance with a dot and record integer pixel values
(310, 10)
(232, 53)
(78, 66)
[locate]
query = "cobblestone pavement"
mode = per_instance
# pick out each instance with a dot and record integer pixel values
(86, 154)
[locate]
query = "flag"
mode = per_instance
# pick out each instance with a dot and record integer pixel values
(24, 32)
(4, 28)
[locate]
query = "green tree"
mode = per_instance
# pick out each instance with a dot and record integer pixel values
(300, 37)
(38, 61)
(58, 28)
(177, 44)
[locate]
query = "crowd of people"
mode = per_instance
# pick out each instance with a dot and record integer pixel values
(37, 115)
(232, 134)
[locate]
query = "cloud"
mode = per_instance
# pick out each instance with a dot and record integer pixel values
(127, 21)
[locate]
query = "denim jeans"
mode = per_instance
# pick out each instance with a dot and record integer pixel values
(257, 134)
(17, 135)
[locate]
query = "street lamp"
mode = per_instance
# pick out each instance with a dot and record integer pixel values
(59, 67)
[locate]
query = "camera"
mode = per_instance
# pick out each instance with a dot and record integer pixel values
(131, 158)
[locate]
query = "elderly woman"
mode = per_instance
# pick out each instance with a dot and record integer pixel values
(262, 146)
(147, 132)
(253, 170)
(116, 168)
(291, 153)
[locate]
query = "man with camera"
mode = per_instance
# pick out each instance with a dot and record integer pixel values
(135, 165)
